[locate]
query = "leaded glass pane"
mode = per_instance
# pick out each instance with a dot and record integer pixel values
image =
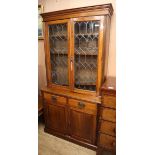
(86, 52)
(59, 53)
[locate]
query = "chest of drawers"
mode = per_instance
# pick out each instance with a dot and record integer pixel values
(107, 119)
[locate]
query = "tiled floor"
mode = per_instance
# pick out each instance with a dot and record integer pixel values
(51, 145)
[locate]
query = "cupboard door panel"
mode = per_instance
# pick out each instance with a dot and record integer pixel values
(82, 126)
(56, 119)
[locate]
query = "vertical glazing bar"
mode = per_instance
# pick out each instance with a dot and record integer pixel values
(71, 54)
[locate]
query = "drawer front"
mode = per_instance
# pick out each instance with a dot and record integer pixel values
(108, 142)
(55, 99)
(109, 114)
(109, 101)
(108, 128)
(90, 108)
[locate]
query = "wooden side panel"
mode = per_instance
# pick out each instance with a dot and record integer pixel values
(106, 39)
(82, 126)
(100, 56)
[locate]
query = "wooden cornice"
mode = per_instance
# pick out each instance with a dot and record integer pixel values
(105, 9)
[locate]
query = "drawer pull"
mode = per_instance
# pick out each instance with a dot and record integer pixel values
(81, 105)
(54, 98)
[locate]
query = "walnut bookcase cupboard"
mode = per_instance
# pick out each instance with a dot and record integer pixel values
(76, 51)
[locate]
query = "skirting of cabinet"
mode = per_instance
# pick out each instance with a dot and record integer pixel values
(104, 151)
(66, 137)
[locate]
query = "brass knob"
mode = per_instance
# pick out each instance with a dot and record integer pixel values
(81, 105)
(54, 98)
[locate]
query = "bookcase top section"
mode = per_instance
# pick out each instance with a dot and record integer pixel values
(97, 10)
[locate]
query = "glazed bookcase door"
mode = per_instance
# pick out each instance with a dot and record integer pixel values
(86, 38)
(58, 52)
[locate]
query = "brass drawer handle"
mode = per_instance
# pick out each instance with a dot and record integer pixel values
(81, 105)
(53, 98)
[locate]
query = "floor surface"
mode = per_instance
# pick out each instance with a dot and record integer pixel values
(51, 145)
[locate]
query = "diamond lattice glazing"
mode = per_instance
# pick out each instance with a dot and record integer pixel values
(59, 53)
(86, 52)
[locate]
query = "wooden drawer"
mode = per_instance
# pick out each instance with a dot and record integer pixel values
(109, 114)
(107, 141)
(109, 101)
(108, 128)
(55, 99)
(82, 106)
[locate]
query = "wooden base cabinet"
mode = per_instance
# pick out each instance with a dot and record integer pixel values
(71, 118)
